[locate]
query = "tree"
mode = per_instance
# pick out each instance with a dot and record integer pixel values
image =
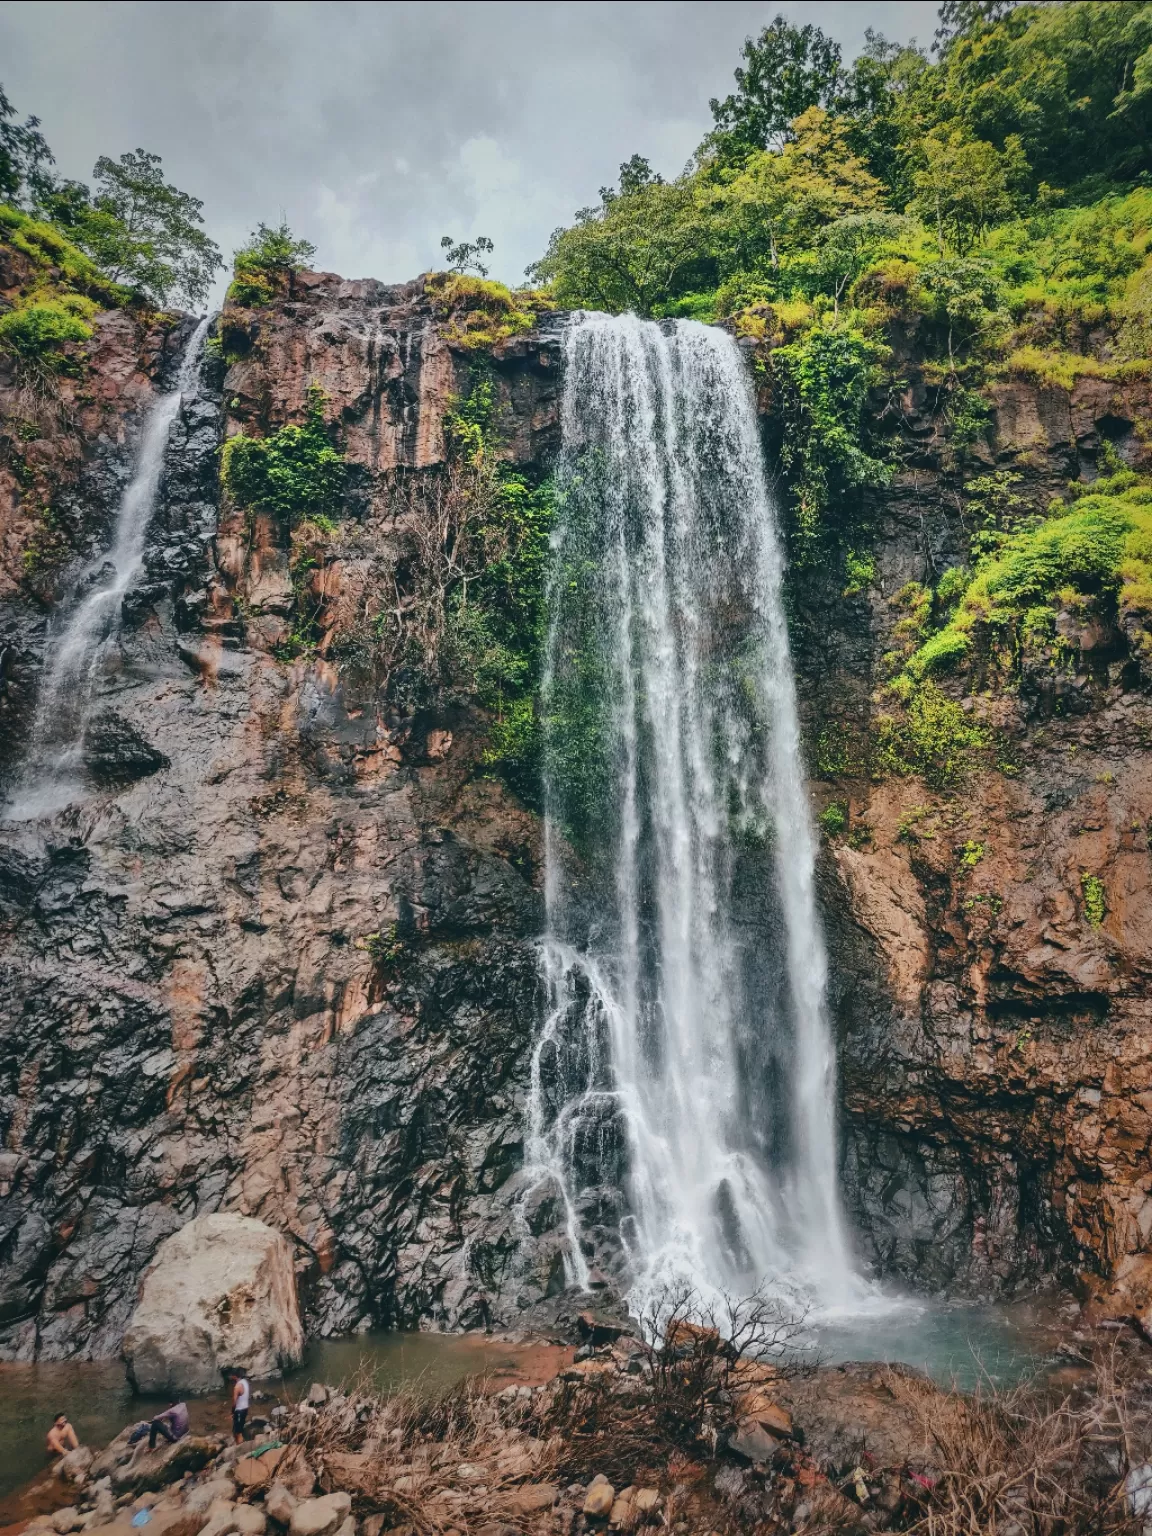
(138, 228)
(784, 198)
(635, 174)
(24, 154)
(962, 185)
(786, 70)
(466, 256)
(262, 266)
(639, 250)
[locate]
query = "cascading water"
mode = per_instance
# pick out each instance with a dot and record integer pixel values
(683, 1082)
(52, 771)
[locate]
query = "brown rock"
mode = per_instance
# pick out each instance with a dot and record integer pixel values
(753, 1442)
(279, 1504)
(599, 1499)
(257, 1471)
(532, 1497)
(767, 1413)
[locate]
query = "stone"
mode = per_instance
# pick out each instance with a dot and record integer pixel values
(67, 1519)
(75, 1465)
(166, 1464)
(599, 1499)
(529, 1498)
(220, 1292)
(298, 1477)
(317, 1395)
(279, 1504)
(647, 1500)
(752, 1442)
(767, 1413)
(257, 1471)
(205, 1495)
(104, 1507)
(247, 1520)
(320, 1517)
(116, 754)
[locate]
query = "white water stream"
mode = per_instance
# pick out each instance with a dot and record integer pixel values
(685, 1068)
(52, 775)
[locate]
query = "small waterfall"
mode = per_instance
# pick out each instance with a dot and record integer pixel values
(52, 774)
(683, 1082)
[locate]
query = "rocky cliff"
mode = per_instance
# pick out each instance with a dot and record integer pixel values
(284, 965)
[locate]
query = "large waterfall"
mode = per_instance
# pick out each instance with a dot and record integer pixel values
(683, 1082)
(52, 772)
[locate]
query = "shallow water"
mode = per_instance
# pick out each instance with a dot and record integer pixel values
(952, 1342)
(98, 1400)
(956, 1343)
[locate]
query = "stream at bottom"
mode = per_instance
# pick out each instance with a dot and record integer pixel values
(952, 1343)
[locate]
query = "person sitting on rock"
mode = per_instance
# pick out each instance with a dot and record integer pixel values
(172, 1424)
(61, 1437)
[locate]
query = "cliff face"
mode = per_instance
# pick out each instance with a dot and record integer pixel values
(292, 974)
(994, 1027)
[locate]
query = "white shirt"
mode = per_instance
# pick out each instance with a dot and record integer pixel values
(243, 1395)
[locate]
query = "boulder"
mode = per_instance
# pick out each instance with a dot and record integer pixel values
(599, 1499)
(73, 1467)
(220, 1292)
(319, 1517)
(753, 1442)
(1127, 1296)
(279, 1504)
(166, 1464)
(116, 754)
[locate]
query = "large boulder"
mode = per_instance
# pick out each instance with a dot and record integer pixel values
(220, 1292)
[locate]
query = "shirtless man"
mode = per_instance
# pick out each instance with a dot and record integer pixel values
(61, 1437)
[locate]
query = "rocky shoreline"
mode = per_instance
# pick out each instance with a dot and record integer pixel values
(693, 1433)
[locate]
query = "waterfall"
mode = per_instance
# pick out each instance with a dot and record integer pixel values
(683, 1087)
(52, 773)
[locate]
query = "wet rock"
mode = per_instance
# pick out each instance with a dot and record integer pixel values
(115, 752)
(220, 1292)
(75, 1466)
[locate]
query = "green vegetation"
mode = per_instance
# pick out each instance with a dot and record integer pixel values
(1095, 904)
(132, 236)
(1092, 556)
(36, 333)
(834, 819)
(933, 738)
(263, 265)
(477, 313)
(994, 198)
(294, 475)
(970, 854)
(860, 571)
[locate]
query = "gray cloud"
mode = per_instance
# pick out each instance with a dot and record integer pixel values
(377, 128)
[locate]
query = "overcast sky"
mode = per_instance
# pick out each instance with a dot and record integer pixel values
(377, 128)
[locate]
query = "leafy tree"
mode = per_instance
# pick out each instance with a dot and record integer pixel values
(960, 17)
(786, 70)
(635, 174)
(140, 229)
(962, 185)
(467, 255)
(24, 154)
(637, 251)
(786, 197)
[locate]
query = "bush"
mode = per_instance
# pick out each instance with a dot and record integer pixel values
(263, 266)
(293, 475)
(833, 819)
(37, 333)
(480, 313)
(933, 739)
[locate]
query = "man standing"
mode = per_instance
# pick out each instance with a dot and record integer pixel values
(241, 1397)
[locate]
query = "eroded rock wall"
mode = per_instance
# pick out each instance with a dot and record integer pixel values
(995, 1043)
(292, 973)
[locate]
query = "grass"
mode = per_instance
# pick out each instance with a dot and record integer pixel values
(477, 313)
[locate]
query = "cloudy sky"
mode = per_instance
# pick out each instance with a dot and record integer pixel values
(377, 128)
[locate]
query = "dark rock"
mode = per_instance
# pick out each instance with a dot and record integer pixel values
(115, 753)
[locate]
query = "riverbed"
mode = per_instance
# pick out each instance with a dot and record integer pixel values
(954, 1343)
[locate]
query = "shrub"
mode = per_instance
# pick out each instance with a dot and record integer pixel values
(933, 738)
(37, 333)
(293, 474)
(479, 313)
(263, 266)
(1095, 905)
(833, 819)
